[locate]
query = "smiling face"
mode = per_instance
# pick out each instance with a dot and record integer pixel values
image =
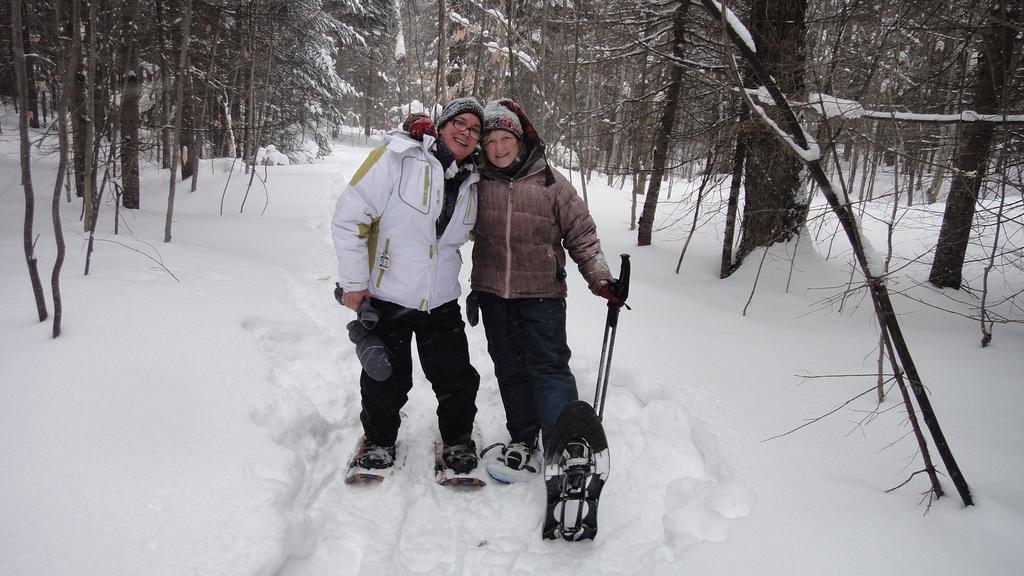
(460, 135)
(502, 148)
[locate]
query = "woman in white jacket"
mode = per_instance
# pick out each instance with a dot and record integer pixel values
(397, 230)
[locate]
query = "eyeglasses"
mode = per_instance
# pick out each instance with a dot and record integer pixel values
(474, 131)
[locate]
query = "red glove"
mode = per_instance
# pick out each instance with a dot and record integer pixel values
(417, 125)
(610, 292)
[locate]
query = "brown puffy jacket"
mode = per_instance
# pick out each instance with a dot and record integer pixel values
(523, 230)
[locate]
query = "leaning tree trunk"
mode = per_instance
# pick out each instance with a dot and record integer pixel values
(26, 170)
(663, 139)
(994, 58)
(884, 310)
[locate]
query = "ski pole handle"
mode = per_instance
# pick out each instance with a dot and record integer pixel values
(624, 278)
(622, 290)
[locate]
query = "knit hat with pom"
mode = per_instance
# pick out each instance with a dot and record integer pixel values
(498, 116)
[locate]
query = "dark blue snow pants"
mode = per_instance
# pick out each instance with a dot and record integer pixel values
(527, 343)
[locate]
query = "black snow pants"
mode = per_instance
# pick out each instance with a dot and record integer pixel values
(444, 356)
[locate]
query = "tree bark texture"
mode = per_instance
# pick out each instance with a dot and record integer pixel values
(130, 110)
(774, 209)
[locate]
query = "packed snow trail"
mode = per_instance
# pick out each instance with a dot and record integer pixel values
(668, 488)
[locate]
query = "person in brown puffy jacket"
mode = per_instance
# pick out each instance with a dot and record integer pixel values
(528, 217)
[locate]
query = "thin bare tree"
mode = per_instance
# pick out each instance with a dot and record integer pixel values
(26, 166)
(186, 20)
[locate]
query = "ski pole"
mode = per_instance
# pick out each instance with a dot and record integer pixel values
(608, 344)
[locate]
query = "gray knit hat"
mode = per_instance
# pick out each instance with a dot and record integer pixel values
(497, 116)
(467, 105)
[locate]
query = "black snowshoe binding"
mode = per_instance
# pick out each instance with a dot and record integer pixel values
(576, 467)
(370, 463)
(456, 465)
(460, 458)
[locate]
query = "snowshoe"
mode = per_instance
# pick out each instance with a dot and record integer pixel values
(576, 467)
(370, 463)
(457, 465)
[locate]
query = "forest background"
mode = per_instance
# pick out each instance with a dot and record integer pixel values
(640, 91)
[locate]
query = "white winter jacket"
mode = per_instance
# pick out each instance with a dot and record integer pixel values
(384, 226)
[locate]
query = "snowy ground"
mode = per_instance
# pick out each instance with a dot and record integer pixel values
(196, 424)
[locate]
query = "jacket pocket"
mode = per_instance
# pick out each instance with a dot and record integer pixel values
(415, 187)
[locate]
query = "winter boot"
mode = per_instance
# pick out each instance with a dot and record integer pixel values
(375, 457)
(460, 458)
(517, 455)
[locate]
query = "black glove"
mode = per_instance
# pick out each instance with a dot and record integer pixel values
(338, 293)
(370, 349)
(473, 309)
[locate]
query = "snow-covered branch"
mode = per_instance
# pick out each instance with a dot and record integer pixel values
(833, 107)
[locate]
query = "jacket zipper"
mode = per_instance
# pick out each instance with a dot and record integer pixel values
(508, 243)
(508, 233)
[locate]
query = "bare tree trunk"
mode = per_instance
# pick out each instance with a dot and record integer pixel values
(130, 110)
(455, 75)
(165, 86)
(663, 139)
(729, 236)
(188, 156)
(774, 210)
(229, 127)
(440, 91)
(17, 48)
(88, 124)
(210, 72)
(32, 108)
(186, 21)
(79, 115)
(510, 44)
(997, 46)
(614, 162)
(61, 96)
